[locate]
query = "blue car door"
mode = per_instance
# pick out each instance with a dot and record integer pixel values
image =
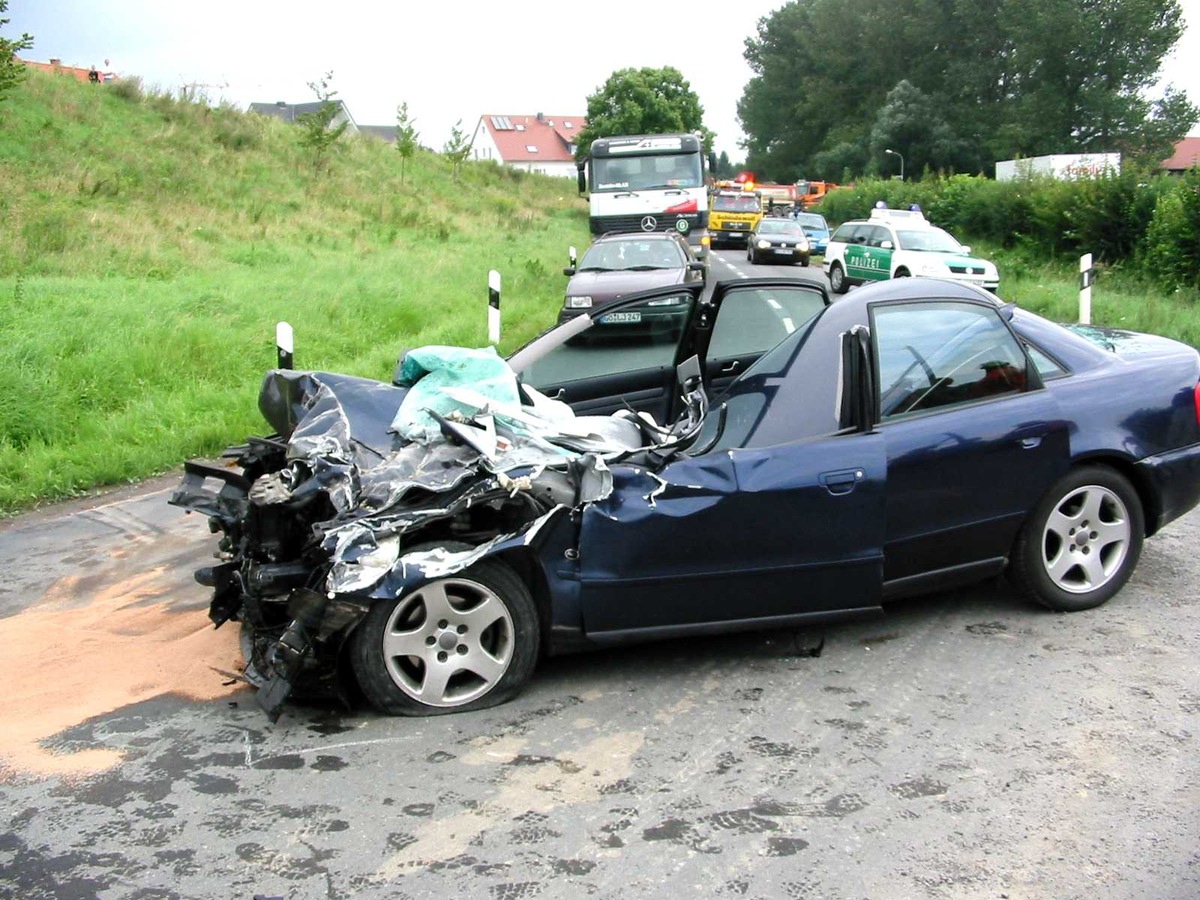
(973, 440)
(749, 537)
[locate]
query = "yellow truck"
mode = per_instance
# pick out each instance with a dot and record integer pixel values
(732, 215)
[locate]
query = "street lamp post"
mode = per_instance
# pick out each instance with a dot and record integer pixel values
(901, 155)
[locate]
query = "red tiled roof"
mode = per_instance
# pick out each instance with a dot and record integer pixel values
(58, 68)
(553, 136)
(1187, 154)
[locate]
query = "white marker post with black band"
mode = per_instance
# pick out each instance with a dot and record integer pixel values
(493, 307)
(1086, 276)
(572, 256)
(284, 345)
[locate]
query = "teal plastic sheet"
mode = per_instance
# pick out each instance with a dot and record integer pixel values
(429, 372)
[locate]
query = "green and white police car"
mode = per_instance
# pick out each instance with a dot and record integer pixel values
(897, 243)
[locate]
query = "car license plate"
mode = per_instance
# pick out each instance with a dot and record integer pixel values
(784, 250)
(621, 318)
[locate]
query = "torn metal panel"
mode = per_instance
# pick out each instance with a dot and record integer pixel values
(321, 524)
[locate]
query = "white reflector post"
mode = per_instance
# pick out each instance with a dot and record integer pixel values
(1085, 289)
(284, 345)
(493, 307)
(572, 255)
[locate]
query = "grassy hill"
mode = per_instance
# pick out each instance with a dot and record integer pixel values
(149, 245)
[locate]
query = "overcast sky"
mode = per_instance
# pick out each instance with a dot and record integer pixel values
(448, 60)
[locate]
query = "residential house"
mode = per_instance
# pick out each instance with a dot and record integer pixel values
(77, 72)
(537, 143)
(1186, 156)
(290, 112)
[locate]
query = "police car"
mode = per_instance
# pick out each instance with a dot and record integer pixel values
(897, 243)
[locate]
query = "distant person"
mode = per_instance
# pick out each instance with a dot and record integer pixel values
(93, 75)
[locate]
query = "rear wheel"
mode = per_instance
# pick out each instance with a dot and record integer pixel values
(1082, 542)
(837, 279)
(465, 642)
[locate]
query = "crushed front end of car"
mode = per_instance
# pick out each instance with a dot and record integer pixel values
(368, 490)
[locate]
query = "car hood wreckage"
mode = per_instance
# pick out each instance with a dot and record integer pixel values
(369, 490)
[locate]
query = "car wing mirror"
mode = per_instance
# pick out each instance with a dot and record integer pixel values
(966, 248)
(569, 271)
(886, 245)
(696, 266)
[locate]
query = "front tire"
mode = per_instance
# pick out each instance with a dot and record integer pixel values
(1082, 542)
(468, 641)
(837, 279)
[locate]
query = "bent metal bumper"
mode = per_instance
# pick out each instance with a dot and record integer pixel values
(1174, 478)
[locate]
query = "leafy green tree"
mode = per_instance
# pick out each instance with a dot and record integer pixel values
(909, 123)
(1004, 77)
(406, 136)
(457, 148)
(11, 71)
(317, 131)
(724, 168)
(643, 101)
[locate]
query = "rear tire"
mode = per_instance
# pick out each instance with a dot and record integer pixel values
(837, 279)
(464, 642)
(1081, 542)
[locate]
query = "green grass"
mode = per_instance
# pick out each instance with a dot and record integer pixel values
(150, 246)
(1120, 298)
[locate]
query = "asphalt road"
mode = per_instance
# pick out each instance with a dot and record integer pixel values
(967, 745)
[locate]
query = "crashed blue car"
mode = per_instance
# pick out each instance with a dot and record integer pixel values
(783, 461)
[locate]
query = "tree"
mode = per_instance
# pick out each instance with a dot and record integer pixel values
(1005, 78)
(406, 136)
(11, 71)
(317, 131)
(643, 101)
(909, 123)
(457, 148)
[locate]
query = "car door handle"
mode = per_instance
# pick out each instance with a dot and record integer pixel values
(841, 482)
(732, 367)
(1029, 443)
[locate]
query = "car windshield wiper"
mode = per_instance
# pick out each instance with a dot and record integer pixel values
(646, 268)
(595, 269)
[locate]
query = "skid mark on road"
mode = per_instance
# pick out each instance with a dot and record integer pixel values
(544, 785)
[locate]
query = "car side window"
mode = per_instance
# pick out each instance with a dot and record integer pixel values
(845, 233)
(1046, 366)
(936, 355)
(753, 320)
(879, 234)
